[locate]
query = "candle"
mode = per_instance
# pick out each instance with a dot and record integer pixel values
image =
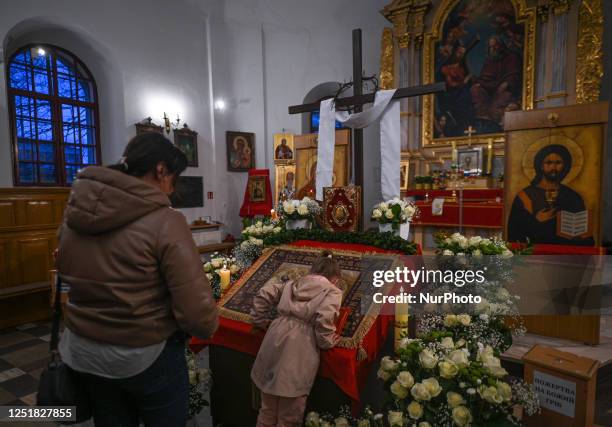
(401, 321)
(490, 157)
(224, 274)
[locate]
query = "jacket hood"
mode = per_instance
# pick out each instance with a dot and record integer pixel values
(104, 199)
(309, 287)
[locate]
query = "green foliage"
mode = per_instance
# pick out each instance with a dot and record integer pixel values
(387, 241)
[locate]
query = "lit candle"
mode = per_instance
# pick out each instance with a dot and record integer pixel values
(272, 214)
(490, 157)
(401, 321)
(224, 274)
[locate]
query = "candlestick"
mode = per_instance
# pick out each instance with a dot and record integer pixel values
(224, 275)
(454, 152)
(401, 321)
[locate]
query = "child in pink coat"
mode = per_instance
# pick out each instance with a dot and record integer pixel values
(288, 359)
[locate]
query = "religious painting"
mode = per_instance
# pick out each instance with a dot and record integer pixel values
(283, 147)
(484, 52)
(187, 141)
(306, 163)
(188, 193)
(147, 125)
(404, 168)
(553, 185)
(285, 183)
(341, 208)
(257, 188)
(285, 263)
(470, 160)
(240, 151)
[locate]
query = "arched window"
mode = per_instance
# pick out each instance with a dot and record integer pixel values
(54, 115)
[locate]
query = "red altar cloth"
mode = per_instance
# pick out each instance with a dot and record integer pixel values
(338, 364)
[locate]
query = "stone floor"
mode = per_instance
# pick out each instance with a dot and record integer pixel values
(24, 351)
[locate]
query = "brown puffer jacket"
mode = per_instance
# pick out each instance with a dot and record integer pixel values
(134, 272)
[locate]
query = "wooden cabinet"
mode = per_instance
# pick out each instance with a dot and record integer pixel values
(29, 218)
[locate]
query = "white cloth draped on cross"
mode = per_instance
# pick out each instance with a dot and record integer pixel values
(388, 112)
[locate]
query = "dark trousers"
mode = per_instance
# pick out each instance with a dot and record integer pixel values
(158, 396)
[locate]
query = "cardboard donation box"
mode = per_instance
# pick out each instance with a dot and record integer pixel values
(565, 384)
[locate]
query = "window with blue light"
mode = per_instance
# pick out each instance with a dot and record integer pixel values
(54, 112)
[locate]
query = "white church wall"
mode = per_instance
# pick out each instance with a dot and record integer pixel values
(147, 57)
(151, 57)
(302, 45)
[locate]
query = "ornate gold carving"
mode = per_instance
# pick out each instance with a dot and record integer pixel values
(560, 7)
(543, 11)
(589, 56)
(387, 63)
(526, 15)
(408, 18)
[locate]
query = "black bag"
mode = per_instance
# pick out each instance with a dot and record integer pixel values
(59, 385)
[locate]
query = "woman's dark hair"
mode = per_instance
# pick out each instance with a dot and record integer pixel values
(326, 265)
(145, 151)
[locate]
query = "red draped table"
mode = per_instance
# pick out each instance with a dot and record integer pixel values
(340, 365)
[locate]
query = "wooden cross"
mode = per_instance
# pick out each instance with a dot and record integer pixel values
(469, 132)
(357, 102)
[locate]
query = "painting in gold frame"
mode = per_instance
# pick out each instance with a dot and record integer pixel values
(285, 183)
(568, 212)
(257, 188)
(283, 148)
(306, 162)
(450, 23)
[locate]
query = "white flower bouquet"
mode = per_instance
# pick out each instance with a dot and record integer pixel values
(306, 208)
(395, 211)
(444, 379)
(200, 380)
(476, 246)
(260, 229)
(213, 267)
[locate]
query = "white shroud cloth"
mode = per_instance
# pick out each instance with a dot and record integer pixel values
(389, 113)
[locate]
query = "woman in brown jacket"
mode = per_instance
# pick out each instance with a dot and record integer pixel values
(288, 359)
(136, 287)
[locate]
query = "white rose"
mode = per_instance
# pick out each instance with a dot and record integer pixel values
(454, 399)
(463, 243)
(447, 252)
(464, 319)
(504, 390)
(341, 422)
(389, 214)
(498, 371)
(302, 210)
(396, 419)
(448, 369)
(456, 237)
(459, 358)
(490, 394)
(460, 343)
(428, 359)
(233, 269)
(277, 230)
(450, 320)
(462, 416)
(388, 364)
(433, 386)
(376, 213)
(312, 420)
(289, 208)
(382, 374)
(383, 207)
(448, 241)
(399, 391)
(406, 379)
(193, 378)
(259, 224)
(507, 254)
(415, 410)
(447, 342)
(420, 392)
(474, 240)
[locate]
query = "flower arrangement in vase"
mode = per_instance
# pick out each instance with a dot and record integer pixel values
(299, 213)
(394, 216)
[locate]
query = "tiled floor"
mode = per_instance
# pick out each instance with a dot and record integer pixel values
(24, 353)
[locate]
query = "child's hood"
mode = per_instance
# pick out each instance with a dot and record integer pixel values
(309, 287)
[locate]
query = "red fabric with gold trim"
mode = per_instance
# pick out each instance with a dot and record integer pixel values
(250, 208)
(338, 364)
(480, 215)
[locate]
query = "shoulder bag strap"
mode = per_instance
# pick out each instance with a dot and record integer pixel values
(57, 314)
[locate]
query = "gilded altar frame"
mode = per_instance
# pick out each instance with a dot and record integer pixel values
(525, 15)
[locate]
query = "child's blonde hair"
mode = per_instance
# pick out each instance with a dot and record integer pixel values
(326, 265)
